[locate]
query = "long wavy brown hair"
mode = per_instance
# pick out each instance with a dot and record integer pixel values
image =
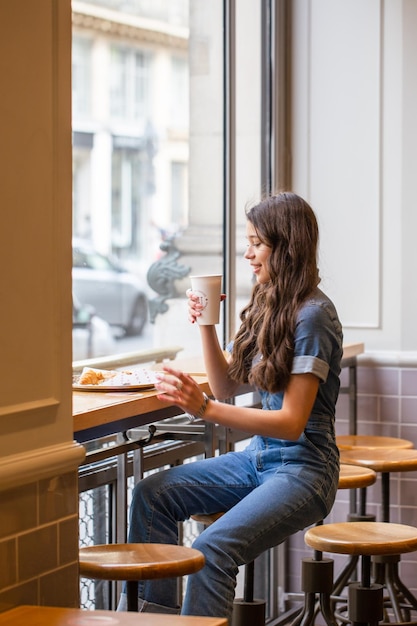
(263, 349)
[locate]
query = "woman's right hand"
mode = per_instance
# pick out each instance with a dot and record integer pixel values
(194, 306)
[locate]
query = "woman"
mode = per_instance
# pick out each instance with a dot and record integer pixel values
(289, 346)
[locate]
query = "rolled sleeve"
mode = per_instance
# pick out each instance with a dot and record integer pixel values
(317, 339)
(310, 365)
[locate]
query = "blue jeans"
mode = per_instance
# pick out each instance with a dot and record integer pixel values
(269, 491)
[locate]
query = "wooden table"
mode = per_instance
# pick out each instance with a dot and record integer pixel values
(351, 351)
(98, 414)
(55, 616)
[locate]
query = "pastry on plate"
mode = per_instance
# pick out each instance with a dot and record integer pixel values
(90, 376)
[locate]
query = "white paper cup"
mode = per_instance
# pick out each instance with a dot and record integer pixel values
(208, 289)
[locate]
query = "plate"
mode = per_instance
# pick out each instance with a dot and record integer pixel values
(113, 380)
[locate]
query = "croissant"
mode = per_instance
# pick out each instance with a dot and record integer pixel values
(94, 377)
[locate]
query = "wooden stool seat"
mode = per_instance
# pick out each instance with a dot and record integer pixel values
(138, 561)
(208, 519)
(349, 442)
(382, 459)
(362, 538)
(26, 615)
(132, 562)
(355, 477)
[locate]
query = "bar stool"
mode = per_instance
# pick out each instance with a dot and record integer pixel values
(359, 442)
(132, 562)
(317, 573)
(386, 461)
(365, 539)
(354, 477)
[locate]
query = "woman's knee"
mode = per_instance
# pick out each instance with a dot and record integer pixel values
(145, 489)
(218, 553)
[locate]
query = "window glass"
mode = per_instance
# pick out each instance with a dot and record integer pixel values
(248, 134)
(180, 93)
(81, 76)
(148, 167)
(129, 84)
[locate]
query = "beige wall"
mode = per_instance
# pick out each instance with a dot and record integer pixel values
(38, 458)
(354, 155)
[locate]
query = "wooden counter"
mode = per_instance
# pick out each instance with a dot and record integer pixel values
(352, 350)
(98, 414)
(55, 616)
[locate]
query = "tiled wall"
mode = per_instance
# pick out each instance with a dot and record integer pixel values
(39, 543)
(387, 405)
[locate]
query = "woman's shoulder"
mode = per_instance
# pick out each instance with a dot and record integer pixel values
(319, 306)
(318, 299)
(319, 324)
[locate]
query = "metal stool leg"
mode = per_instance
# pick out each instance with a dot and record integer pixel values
(398, 597)
(365, 599)
(345, 575)
(316, 580)
(132, 595)
(248, 611)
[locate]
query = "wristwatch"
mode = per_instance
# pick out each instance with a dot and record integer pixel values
(201, 410)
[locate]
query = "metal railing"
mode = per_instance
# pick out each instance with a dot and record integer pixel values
(102, 521)
(112, 467)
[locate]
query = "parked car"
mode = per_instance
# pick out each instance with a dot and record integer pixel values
(116, 294)
(91, 335)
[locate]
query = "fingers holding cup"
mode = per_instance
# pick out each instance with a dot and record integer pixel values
(205, 297)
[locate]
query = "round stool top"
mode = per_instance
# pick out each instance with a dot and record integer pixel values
(348, 442)
(138, 561)
(382, 460)
(208, 518)
(355, 476)
(362, 538)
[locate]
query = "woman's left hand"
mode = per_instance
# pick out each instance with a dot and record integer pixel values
(180, 389)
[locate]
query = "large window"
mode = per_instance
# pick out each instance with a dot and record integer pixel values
(166, 153)
(172, 139)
